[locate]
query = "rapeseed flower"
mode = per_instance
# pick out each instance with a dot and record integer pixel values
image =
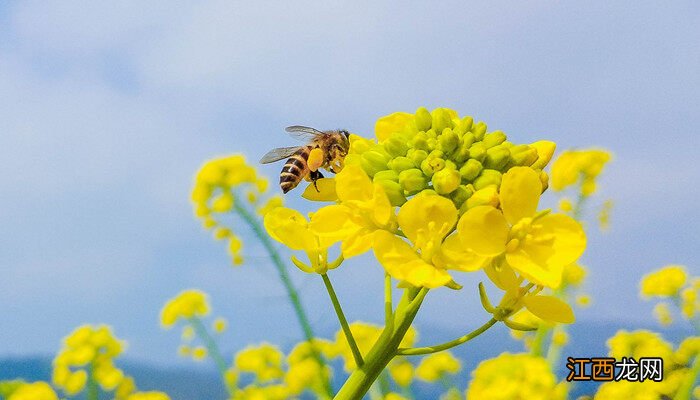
(664, 282)
(31, 391)
(188, 304)
(515, 377)
(537, 245)
(88, 350)
(437, 366)
(264, 361)
(579, 166)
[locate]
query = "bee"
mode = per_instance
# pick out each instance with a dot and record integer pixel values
(333, 144)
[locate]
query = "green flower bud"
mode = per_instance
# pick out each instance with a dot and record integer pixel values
(393, 191)
(461, 194)
(448, 141)
(479, 130)
(373, 161)
(387, 175)
(441, 120)
(523, 155)
(412, 180)
(494, 138)
(417, 156)
(446, 181)
(423, 119)
(488, 177)
(462, 153)
(419, 141)
(437, 153)
(477, 151)
(468, 140)
(432, 143)
(449, 164)
(431, 165)
(431, 133)
(470, 170)
(466, 123)
(497, 157)
(399, 164)
(396, 146)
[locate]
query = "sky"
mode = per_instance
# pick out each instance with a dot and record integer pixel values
(108, 109)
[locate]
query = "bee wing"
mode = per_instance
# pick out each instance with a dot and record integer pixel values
(278, 154)
(303, 132)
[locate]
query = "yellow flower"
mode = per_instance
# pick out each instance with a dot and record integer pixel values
(188, 304)
(664, 282)
(515, 377)
(394, 396)
(88, 349)
(265, 361)
(220, 325)
(289, 227)
(363, 210)
(425, 220)
(538, 245)
(582, 166)
(199, 353)
(34, 391)
(690, 299)
(435, 366)
(148, 396)
(401, 371)
(638, 344)
(304, 371)
(663, 314)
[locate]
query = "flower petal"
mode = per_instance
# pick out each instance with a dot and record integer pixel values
(352, 183)
(569, 238)
(325, 192)
(435, 213)
(402, 263)
(483, 230)
(391, 123)
(288, 226)
(453, 255)
(530, 259)
(549, 308)
(333, 222)
(357, 243)
(520, 192)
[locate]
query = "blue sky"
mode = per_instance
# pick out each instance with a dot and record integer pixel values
(107, 110)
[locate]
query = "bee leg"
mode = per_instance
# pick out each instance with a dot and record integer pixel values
(315, 176)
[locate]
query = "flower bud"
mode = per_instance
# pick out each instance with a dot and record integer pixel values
(487, 196)
(545, 149)
(494, 138)
(479, 130)
(446, 180)
(544, 178)
(461, 194)
(470, 170)
(431, 133)
(487, 178)
(393, 191)
(417, 156)
(523, 155)
(396, 146)
(399, 164)
(423, 119)
(441, 120)
(387, 175)
(448, 141)
(431, 165)
(477, 151)
(466, 123)
(420, 141)
(497, 157)
(413, 180)
(373, 162)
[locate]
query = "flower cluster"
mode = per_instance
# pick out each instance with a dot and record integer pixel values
(673, 283)
(677, 366)
(579, 167)
(220, 185)
(20, 390)
(468, 199)
(88, 350)
(513, 377)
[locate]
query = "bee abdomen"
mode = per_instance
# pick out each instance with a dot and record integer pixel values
(294, 170)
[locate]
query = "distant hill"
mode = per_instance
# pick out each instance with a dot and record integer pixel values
(587, 340)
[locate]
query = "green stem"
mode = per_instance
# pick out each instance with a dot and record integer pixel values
(685, 391)
(212, 348)
(554, 351)
(93, 392)
(343, 321)
(538, 342)
(292, 293)
(384, 350)
(388, 307)
(447, 345)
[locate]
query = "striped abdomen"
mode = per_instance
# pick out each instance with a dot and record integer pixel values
(295, 169)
